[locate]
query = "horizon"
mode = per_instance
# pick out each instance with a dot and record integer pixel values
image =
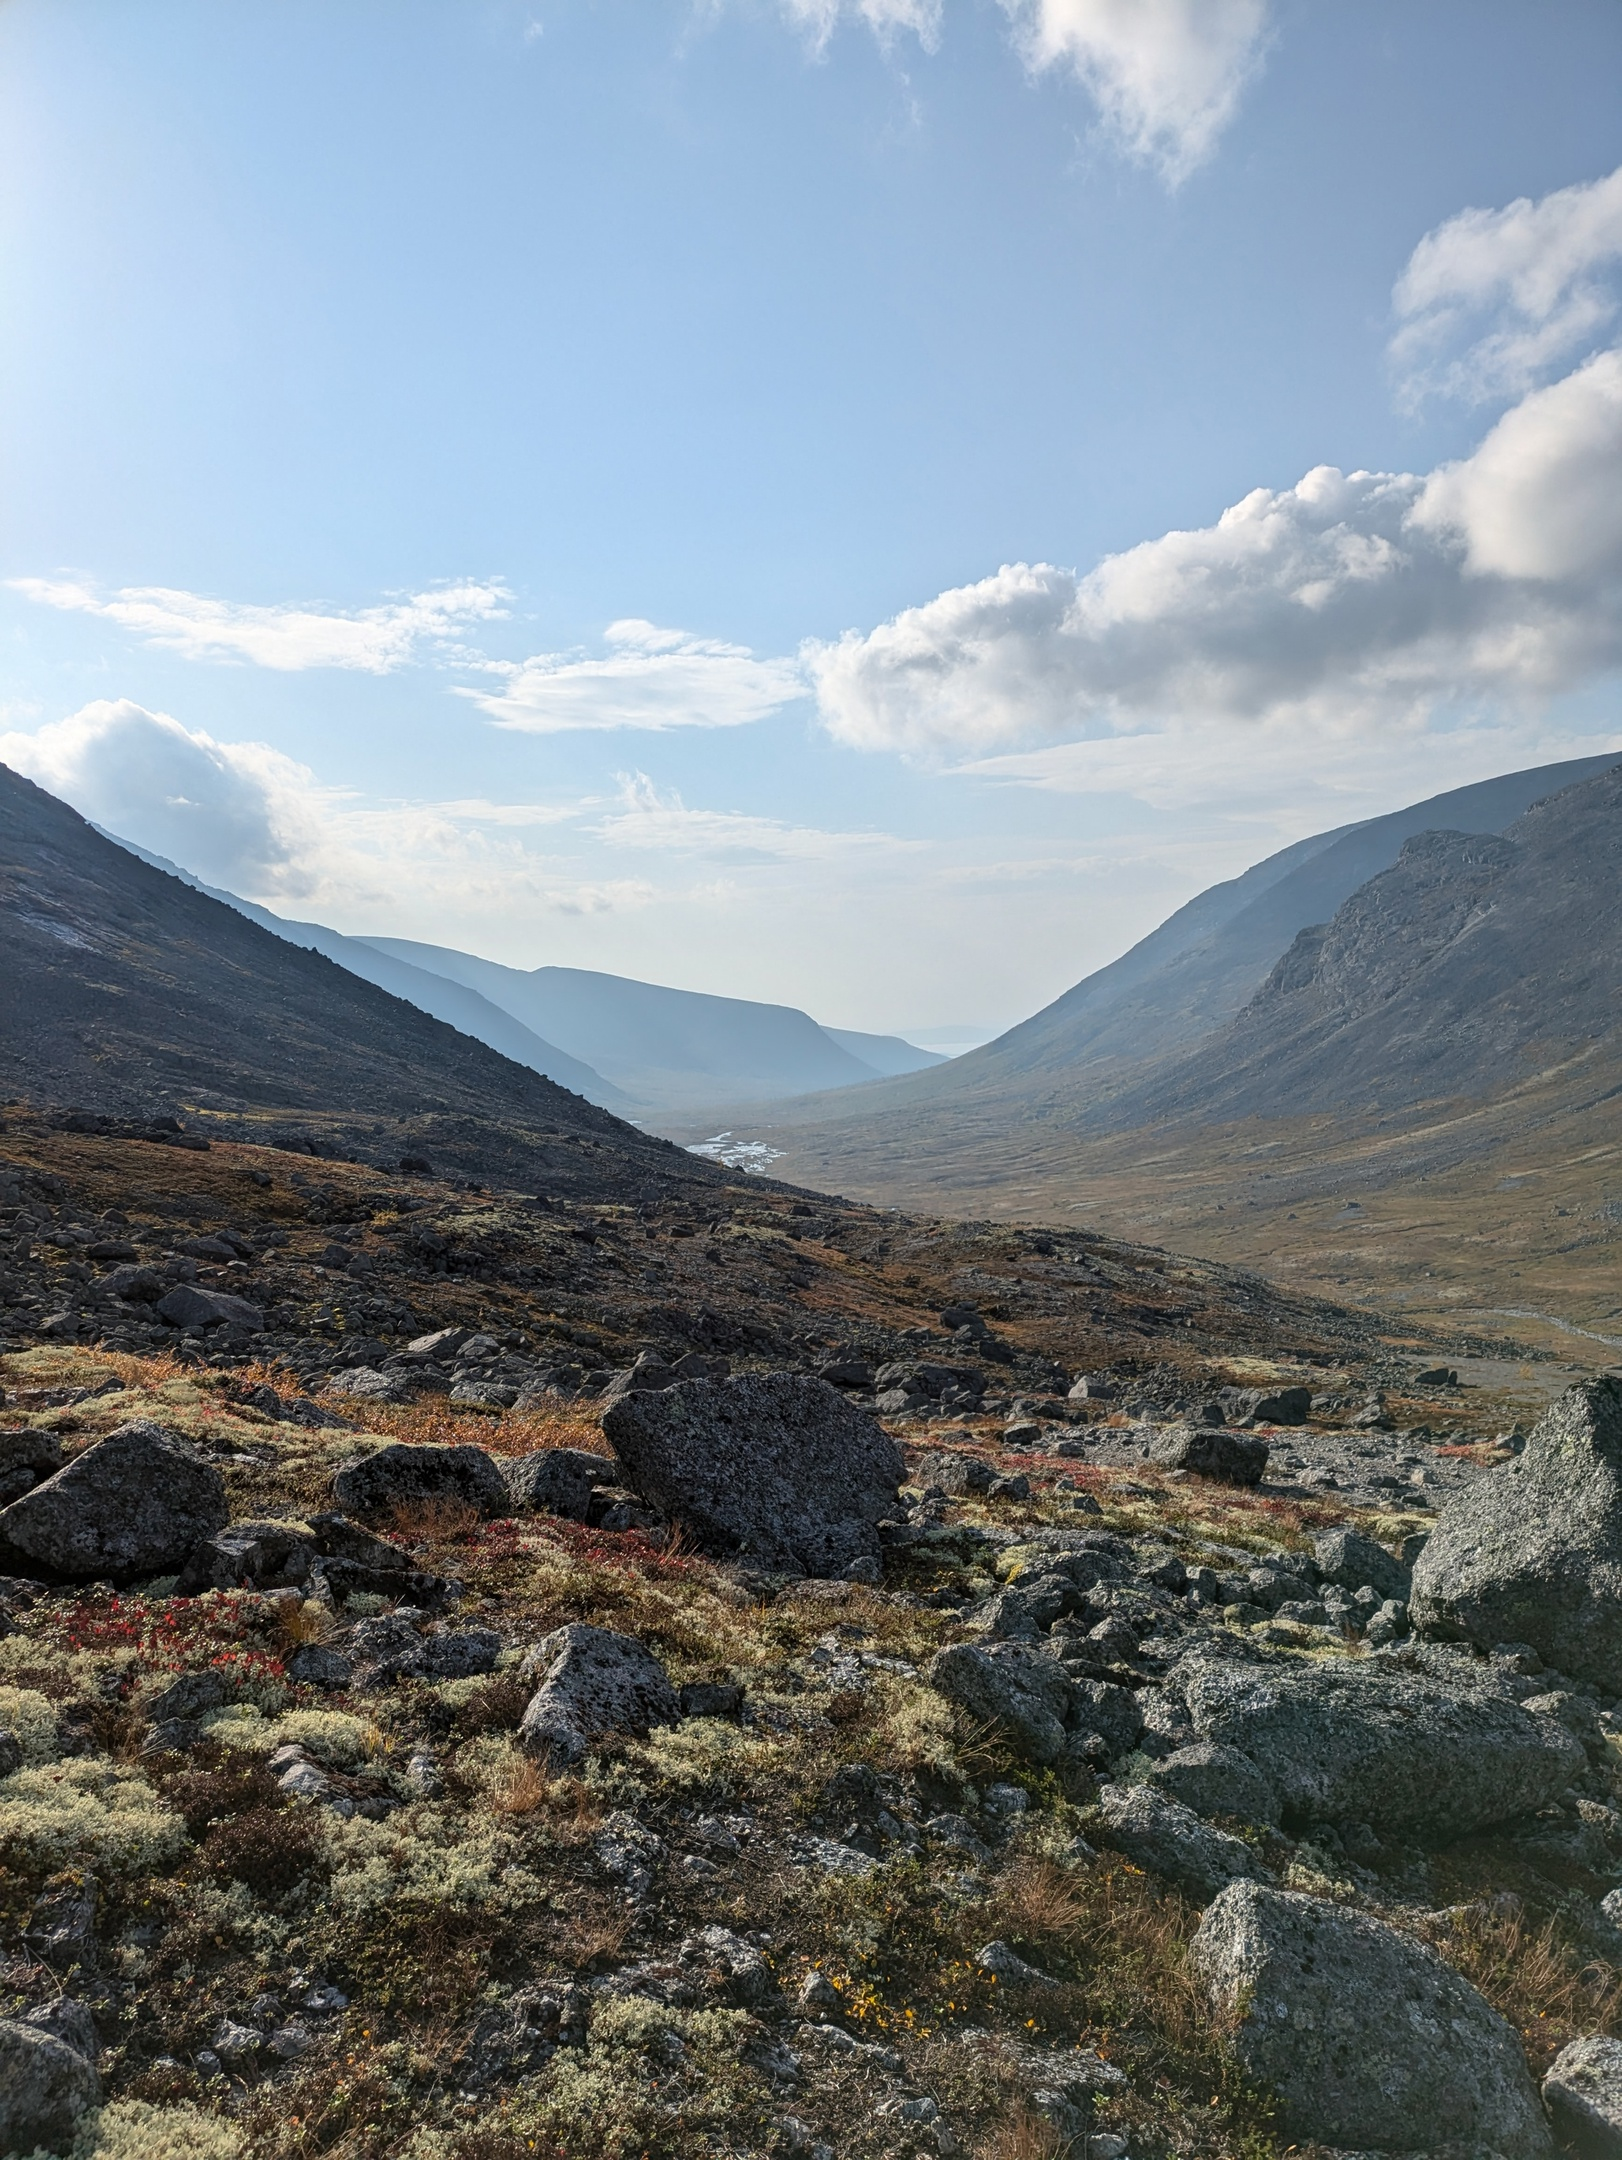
(665, 497)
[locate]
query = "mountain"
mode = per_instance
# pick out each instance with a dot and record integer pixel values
(669, 1049)
(131, 993)
(886, 1055)
(449, 1001)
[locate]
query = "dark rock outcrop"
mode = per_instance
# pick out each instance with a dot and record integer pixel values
(133, 1504)
(403, 1476)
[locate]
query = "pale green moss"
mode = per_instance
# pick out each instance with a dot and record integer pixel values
(332, 1736)
(31, 1718)
(90, 1810)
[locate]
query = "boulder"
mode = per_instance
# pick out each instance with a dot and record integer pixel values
(1345, 1556)
(954, 1473)
(777, 1468)
(249, 1556)
(1213, 1451)
(1365, 2037)
(1583, 2093)
(590, 1682)
(46, 2088)
(364, 1383)
(406, 1476)
(351, 1560)
(1532, 1552)
(558, 1481)
(1169, 1839)
(1376, 1740)
(133, 1504)
(188, 1305)
(1216, 1780)
(1265, 1406)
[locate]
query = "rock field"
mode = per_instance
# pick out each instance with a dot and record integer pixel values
(484, 1676)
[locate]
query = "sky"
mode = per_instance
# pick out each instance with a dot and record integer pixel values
(868, 504)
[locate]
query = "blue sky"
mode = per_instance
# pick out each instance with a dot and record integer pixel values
(798, 498)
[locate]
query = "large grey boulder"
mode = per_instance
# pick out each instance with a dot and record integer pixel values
(1211, 1451)
(190, 1306)
(590, 1682)
(46, 2087)
(1379, 1741)
(132, 1504)
(559, 1481)
(1170, 1840)
(1367, 2039)
(1583, 2092)
(406, 1476)
(249, 1556)
(777, 1468)
(1532, 1552)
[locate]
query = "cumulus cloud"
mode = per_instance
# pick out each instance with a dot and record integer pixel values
(1166, 75)
(1491, 300)
(647, 819)
(1348, 602)
(374, 640)
(649, 678)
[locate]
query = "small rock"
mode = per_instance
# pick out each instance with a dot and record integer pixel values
(403, 1476)
(1010, 1968)
(591, 1682)
(187, 1305)
(558, 1481)
(46, 2088)
(314, 1665)
(1583, 2093)
(1170, 1840)
(1231, 1458)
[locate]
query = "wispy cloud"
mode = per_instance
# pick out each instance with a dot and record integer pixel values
(1166, 75)
(1492, 300)
(1348, 604)
(648, 678)
(374, 640)
(885, 18)
(647, 819)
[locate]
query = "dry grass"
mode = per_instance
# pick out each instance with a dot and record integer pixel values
(309, 1622)
(433, 1522)
(1039, 1901)
(1023, 2134)
(521, 1787)
(1533, 1976)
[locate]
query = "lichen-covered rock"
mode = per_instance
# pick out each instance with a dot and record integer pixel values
(777, 1468)
(27, 1456)
(590, 1682)
(1170, 1840)
(1379, 1741)
(1231, 1458)
(1368, 2040)
(1216, 1780)
(46, 2087)
(133, 1504)
(559, 1481)
(1023, 1693)
(188, 1305)
(1346, 1557)
(404, 1476)
(1532, 1552)
(1583, 2092)
(249, 1556)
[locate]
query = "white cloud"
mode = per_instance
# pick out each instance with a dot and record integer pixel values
(1166, 75)
(1349, 603)
(375, 640)
(650, 678)
(885, 18)
(648, 819)
(1492, 299)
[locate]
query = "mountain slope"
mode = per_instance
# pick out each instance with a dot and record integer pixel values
(129, 992)
(673, 1048)
(449, 1001)
(884, 1054)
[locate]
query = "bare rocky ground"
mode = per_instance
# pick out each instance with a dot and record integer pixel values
(396, 1770)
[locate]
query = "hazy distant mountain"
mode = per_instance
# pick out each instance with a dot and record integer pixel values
(669, 1049)
(130, 992)
(887, 1055)
(450, 1001)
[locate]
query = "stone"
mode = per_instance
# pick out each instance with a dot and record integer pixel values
(954, 1473)
(314, 1665)
(187, 1305)
(249, 1556)
(1380, 1741)
(1345, 1556)
(1583, 2093)
(193, 1695)
(1005, 1964)
(650, 1375)
(46, 2088)
(1367, 2039)
(776, 1468)
(846, 1372)
(405, 1476)
(140, 1285)
(1531, 1552)
(461, 1654)
(133, 1504)
(442, 1343)
(27, 1458)
(1160, 1834)
(364, 1383)
(1216, 1780)
(745, 1976)
(558, 1481)
(1232, 1458)
(68, 2021)
(1265, 1406)
(590, 1682)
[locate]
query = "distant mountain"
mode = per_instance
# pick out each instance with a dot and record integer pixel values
(668, 1049)
(885, 1055)
(129, 992)
(449, 1001)
(1476, 962)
